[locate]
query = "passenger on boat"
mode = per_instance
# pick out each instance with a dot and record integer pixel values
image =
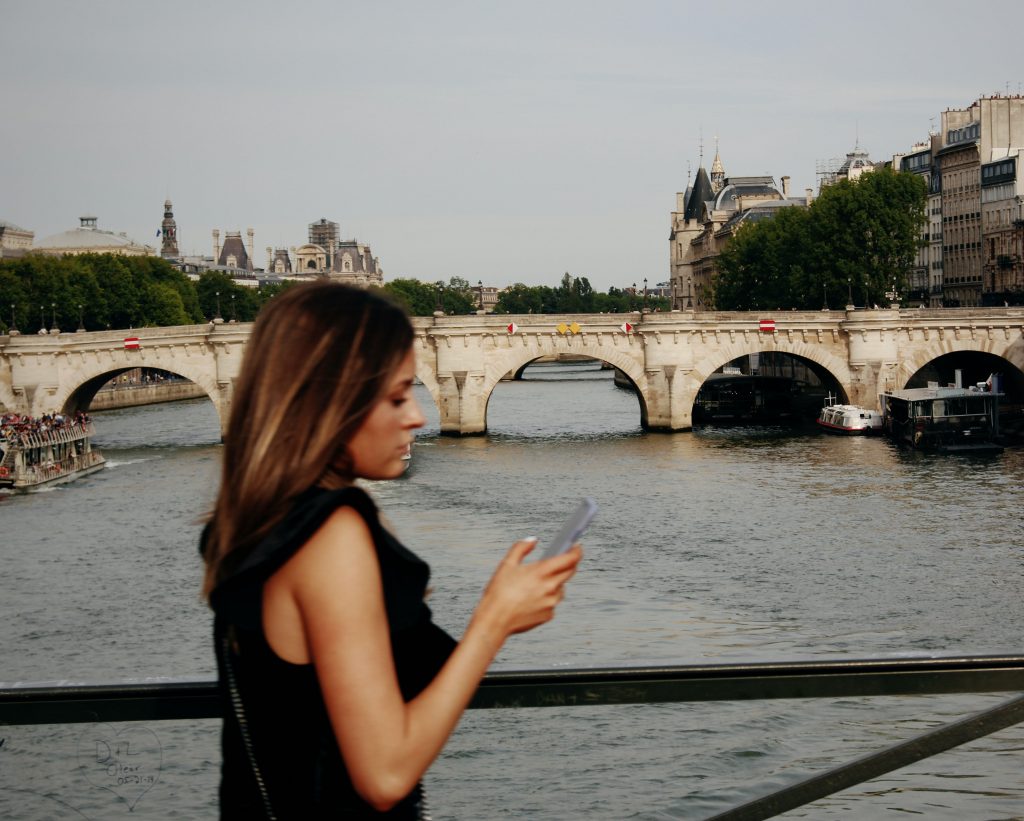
(339, 689)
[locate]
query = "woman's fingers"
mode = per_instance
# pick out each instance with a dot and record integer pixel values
(521, 549)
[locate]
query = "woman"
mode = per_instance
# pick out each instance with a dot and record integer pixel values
(340, 690)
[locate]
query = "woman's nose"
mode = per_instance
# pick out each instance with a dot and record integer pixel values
(416, 418)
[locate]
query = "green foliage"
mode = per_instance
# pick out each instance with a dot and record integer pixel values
(98, 290)
(857, 239)
(109, 291)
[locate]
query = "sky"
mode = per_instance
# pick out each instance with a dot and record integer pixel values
(506, 143)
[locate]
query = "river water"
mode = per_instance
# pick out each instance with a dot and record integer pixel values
(712, 546)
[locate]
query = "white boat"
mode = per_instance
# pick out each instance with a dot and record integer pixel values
(32, 457)
(851, 420)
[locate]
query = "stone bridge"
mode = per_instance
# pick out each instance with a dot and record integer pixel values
(460, 359)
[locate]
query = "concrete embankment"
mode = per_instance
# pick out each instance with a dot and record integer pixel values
(128, 396)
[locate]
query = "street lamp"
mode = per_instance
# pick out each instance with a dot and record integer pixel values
(645, 296)
(480, 285)
(42, 319)
(218, 316)
(824, 296)
(12, 328)
(439, 301)
(892, 294)
(81, 323)
(233, 318)
(689, 298)
(53, 316)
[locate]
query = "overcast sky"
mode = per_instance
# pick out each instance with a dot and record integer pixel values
(505, 142)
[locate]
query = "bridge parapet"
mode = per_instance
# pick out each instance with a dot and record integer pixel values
(668, 355)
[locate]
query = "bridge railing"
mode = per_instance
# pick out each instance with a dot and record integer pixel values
(185, 699)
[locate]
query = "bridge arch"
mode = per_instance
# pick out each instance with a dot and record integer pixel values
(515, 360)
(1007, 350)
(77, 394)
(831, 364)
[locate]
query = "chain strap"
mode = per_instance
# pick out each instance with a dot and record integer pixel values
(236, 704)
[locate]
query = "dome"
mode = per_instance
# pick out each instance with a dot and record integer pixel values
(87, 238)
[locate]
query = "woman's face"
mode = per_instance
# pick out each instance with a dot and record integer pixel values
(378, 446)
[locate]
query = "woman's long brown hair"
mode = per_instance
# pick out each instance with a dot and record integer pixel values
(319, 358)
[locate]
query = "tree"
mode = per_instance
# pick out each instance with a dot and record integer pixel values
(859, 236)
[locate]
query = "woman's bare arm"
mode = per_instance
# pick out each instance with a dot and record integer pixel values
(335, 587)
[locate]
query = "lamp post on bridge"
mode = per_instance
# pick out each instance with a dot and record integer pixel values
(480, 286)
(439, 299)
(644, 308)
(53, 319)
(893, 295)
(218, 316)
(12, 330)
(42, 319)
(81, 323)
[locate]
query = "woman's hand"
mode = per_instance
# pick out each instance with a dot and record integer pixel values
(522, 596)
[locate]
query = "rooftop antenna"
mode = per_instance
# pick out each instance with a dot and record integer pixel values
(688, 172)
(701, 132)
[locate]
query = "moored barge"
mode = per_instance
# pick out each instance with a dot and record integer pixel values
(944, 420)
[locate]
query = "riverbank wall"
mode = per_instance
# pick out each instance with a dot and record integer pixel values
(129, 396)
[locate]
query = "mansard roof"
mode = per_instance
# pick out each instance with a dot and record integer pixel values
(758, 212)
(233, 245)
(736, 187)
(697, 195)
(362, 258)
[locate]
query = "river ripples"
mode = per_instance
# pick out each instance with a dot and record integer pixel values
(719, 545)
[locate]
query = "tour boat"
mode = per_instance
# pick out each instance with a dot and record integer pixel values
(944, 420)
(49, 457)
(851, 420)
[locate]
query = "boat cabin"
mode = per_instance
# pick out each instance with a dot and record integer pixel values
(943, 419)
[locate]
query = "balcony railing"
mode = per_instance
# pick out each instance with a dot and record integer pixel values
(180, 699)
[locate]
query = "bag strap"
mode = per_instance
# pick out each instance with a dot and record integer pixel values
(239, 710)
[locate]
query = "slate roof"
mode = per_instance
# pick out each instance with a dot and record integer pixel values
(736, 187)
(233, 245)
(697, 195)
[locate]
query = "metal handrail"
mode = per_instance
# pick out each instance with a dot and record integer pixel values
(64, 702)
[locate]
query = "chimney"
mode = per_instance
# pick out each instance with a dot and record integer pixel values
(216, 246)
(252, 263)
(810, 195)
(785, 188)
(270, 259)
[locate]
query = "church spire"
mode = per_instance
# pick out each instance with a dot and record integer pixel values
(717, 171)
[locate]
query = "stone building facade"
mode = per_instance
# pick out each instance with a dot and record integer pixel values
(979, 136)
(707, 216)
(15, 241)
(1002, 225)
(925, 281)
(327, 255)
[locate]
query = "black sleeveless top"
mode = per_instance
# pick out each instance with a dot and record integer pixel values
(280, 756)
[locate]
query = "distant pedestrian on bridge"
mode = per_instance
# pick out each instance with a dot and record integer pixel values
(339, 689)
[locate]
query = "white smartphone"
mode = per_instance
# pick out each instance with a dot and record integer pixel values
(572, 529)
